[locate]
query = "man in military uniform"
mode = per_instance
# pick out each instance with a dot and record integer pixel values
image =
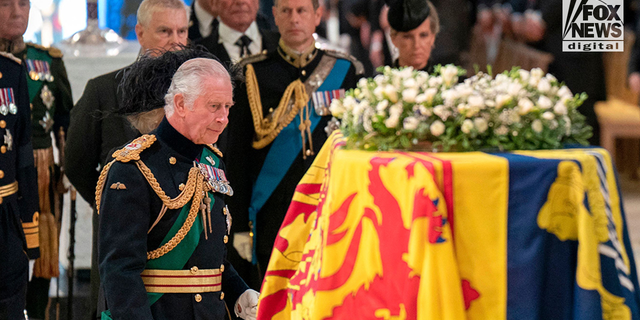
(95, 130)
(277, 127)
(18, 205)
(50, 102)
(163, 221)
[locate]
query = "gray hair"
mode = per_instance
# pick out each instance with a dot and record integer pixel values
(148, 7)
(188, 81)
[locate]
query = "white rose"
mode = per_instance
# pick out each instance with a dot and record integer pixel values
(462, 107)
(481, 124)
(336, 108)
(567, 126)
(544, 102)
(449, 74)
(409, 83)
(377, 92)
(349, 103)
(475, 101)
(524, 106)
(410, 123)
(395, 110)
(533, 82)
(536, 125)
(362, 83)
(392, 121)
(524, 75)
(467, 126)
(501, 78)
(502, 100)
(565, 92)
(435, 81)
(442, 112)
(437, 128)
(537, 73)
(406, 72)
(409, 95)
(379, 79)
(391, 93)
(430, 94)
(548, 115)
(421, 98)
(424, 111)
(560, 108)
(514, 89)
(382, 106)
(544, 86)
(550, 77)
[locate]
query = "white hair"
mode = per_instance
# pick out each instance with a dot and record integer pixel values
(189, 79)
(148, 7)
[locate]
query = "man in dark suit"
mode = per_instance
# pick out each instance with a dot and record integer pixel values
(203, 19)
(18, 189)
(95, 130)
(276, 127)
(239, 33)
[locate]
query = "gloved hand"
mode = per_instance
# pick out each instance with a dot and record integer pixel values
(32, 263)
(243, 243)
(247, 305)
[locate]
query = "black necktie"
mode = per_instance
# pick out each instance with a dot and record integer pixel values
(243, 43)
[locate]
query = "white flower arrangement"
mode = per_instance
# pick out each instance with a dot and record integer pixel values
(515, 110)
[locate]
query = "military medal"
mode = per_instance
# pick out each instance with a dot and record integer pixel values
(322, 100)
(216, 179)
(33, 70)
(47, 96)
(47, 71)
(7, 101)
(8, 139)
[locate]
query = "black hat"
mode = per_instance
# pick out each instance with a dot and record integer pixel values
(406, 15)
(145, 83)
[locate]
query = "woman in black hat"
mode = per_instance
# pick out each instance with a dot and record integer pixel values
(414, 25)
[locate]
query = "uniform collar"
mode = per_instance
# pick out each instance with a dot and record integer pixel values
(297, 59)
(176, 141)
(15, 46)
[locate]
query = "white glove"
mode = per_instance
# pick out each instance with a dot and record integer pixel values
(247, 305)
(243, 243)
(32, 263)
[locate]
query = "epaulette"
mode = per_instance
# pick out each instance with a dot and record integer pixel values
(341, 55)
(215, 150)
(53, 51)
(134, 148)
(10, 57)
(253, 58)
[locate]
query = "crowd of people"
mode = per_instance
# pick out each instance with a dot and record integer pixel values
(190, 155)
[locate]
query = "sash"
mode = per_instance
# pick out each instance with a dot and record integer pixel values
(35, 86)
(285, 149)
(177, 258)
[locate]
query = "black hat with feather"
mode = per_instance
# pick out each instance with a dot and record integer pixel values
(406, 15)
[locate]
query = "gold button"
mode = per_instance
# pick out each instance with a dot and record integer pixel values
(1, 174)
(172, 160)
(264, 51)
(0, 200)
(304, 73)
(222, 268)
(181, 186)
(31, 106)
(3, 124)
(198, 297)
(270, 110)
(0, 75)
(226, 239)
(194, 269)
(3, 149)
(221, 295)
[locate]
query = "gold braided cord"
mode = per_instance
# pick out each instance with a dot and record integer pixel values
(184, 196)
(101, 181)
(268, 129)
(191, 218)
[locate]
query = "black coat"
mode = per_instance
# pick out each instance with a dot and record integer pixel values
(126, 215)
(245, 162)
(94, 131)
(18, 211)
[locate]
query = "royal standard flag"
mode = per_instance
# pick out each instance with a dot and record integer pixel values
(403, 235)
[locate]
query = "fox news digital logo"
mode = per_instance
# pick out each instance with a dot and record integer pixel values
(592, 25)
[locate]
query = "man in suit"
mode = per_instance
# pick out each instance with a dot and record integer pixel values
(203, 19)
(18, 189)
(238, 33)
(95, 130)
(50, 102)
(276, 132)
(163, 221)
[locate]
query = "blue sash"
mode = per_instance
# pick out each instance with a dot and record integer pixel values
(285, 149)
